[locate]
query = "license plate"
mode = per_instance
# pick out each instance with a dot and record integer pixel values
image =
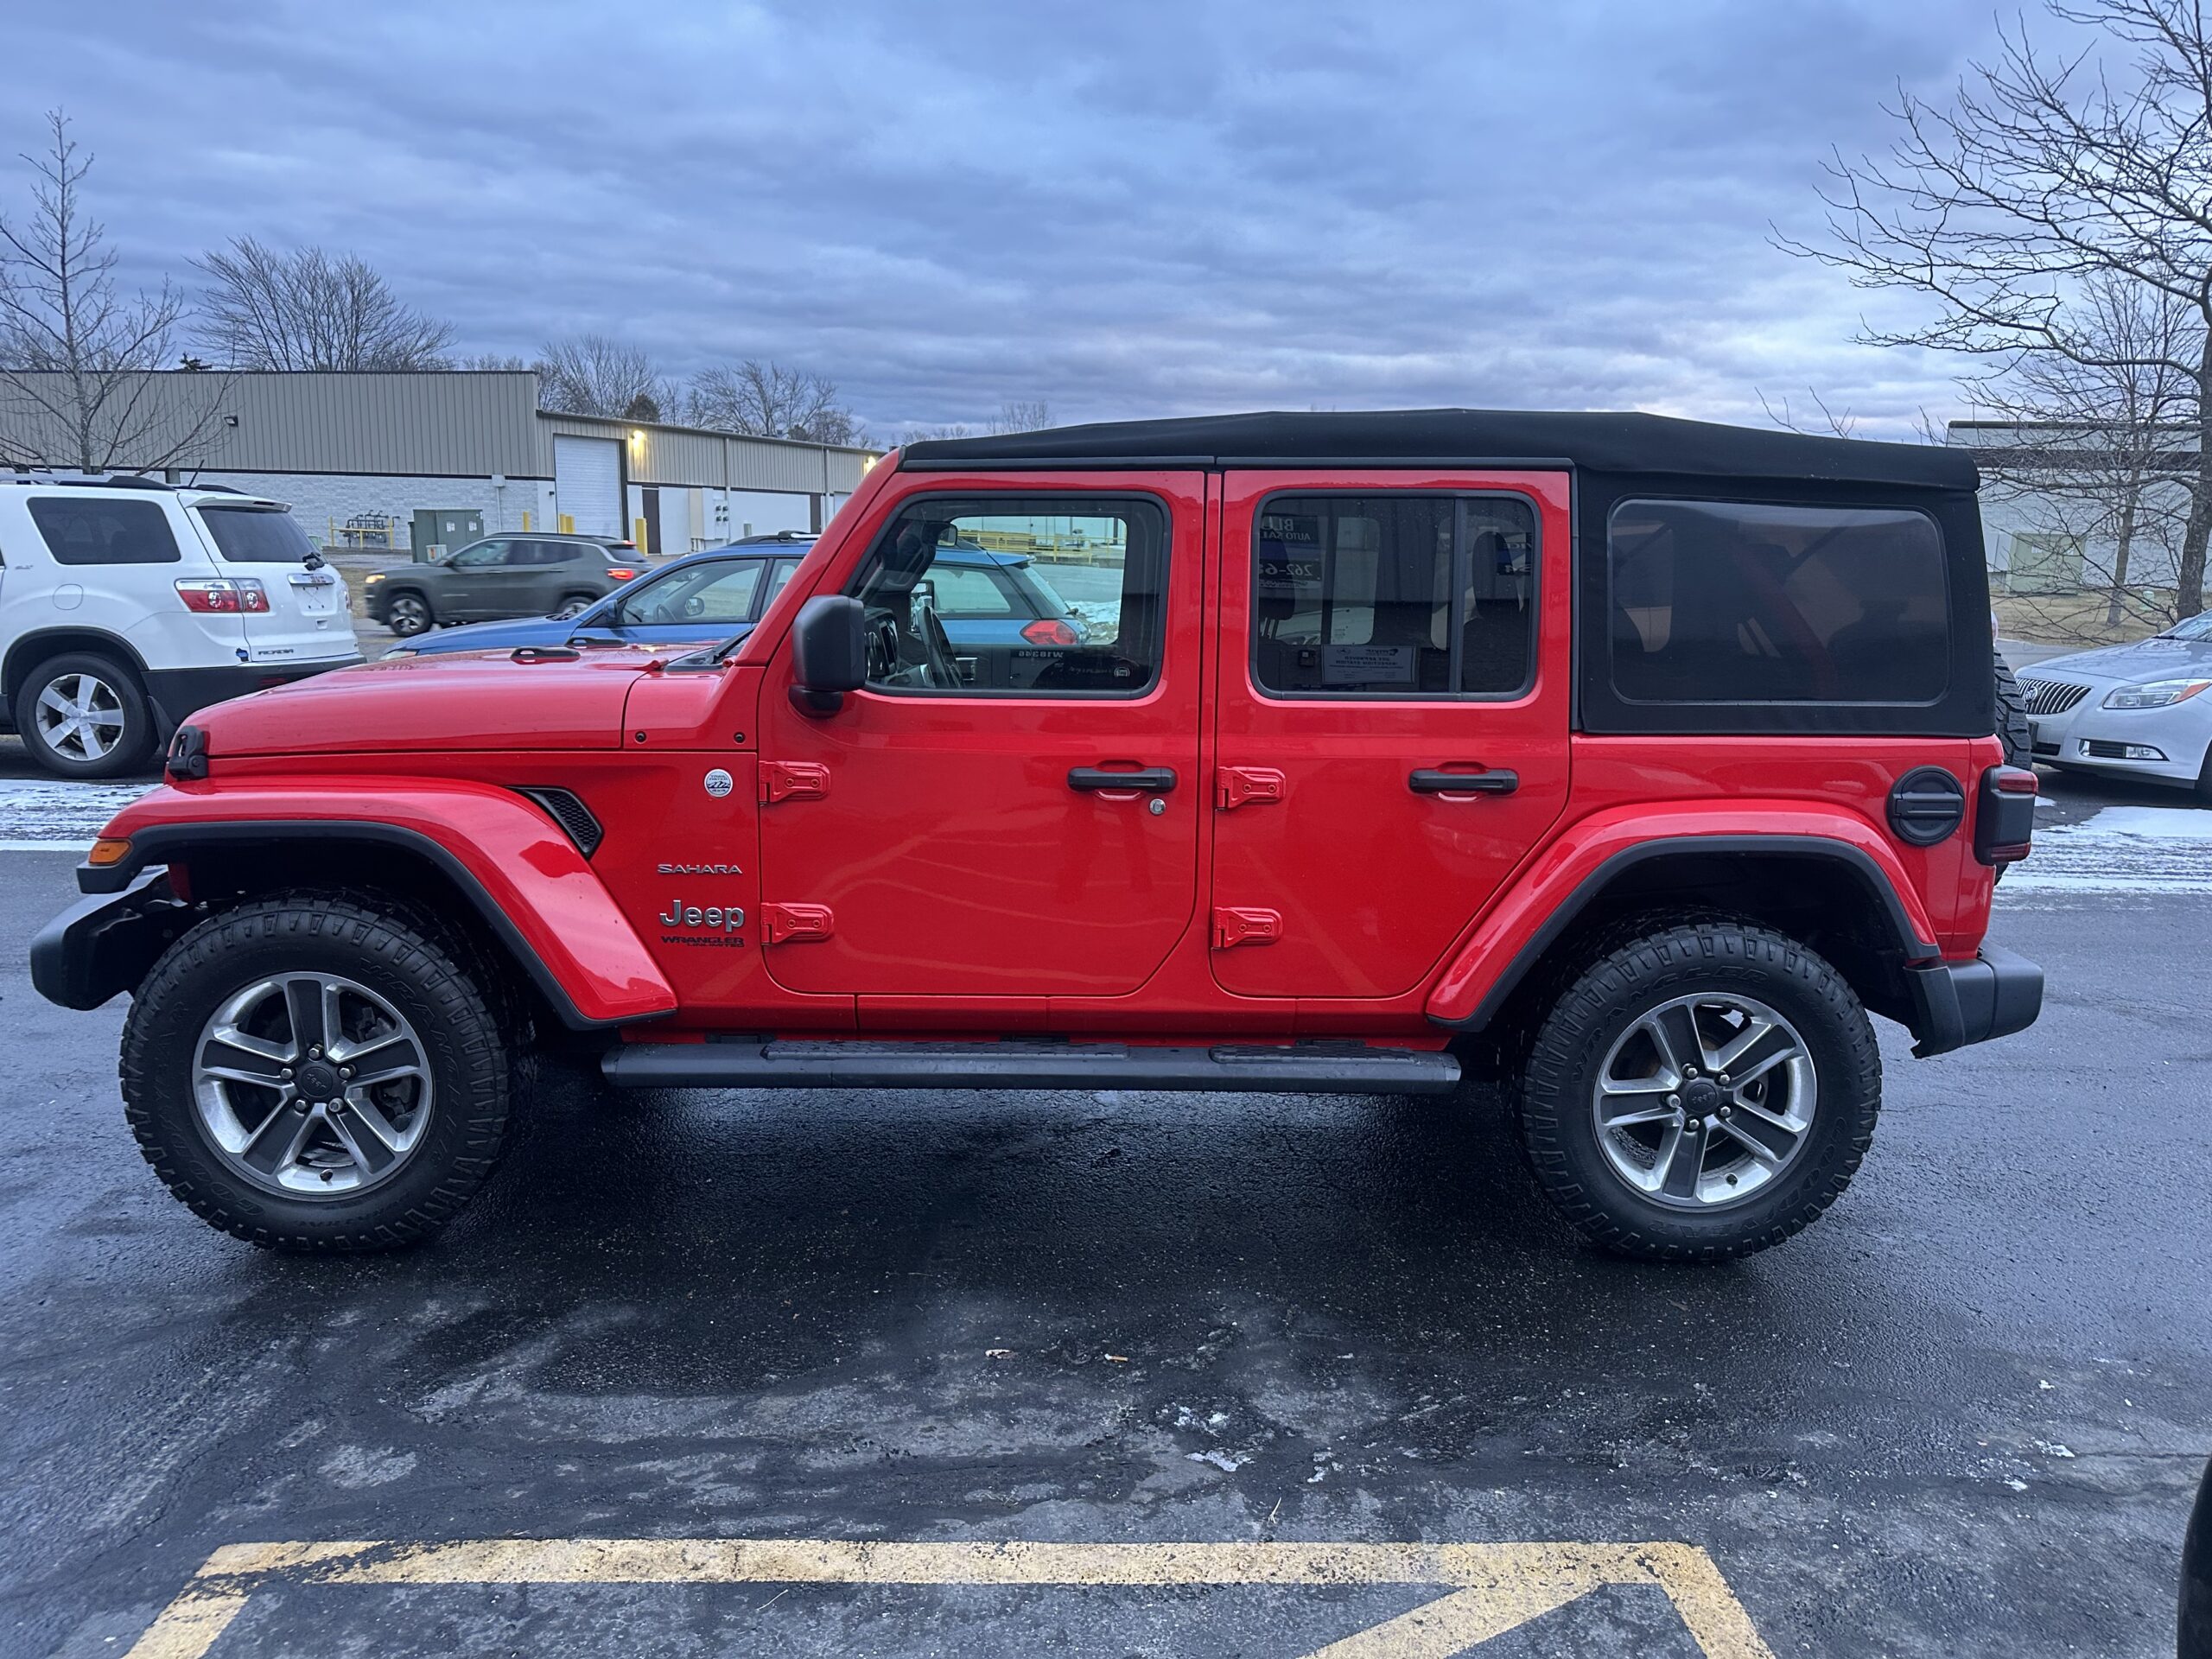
(317, 596)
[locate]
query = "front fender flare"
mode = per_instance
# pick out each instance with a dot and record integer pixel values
(1512, 937)
(538, 895)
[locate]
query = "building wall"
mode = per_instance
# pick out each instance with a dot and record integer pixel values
(721, 516)
(322, 500)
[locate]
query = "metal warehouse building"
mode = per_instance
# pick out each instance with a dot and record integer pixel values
(357, 454)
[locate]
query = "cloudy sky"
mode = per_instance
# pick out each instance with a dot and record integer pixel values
(1120, 208)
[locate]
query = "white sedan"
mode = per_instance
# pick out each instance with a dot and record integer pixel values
(2141, 710)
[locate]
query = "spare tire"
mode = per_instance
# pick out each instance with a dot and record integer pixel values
(2012, 715)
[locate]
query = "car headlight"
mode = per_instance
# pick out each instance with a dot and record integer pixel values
(2158, 694)
(377, 577)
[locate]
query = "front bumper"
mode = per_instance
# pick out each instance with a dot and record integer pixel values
(178, 692)
(106, 944)
(1960, 1002)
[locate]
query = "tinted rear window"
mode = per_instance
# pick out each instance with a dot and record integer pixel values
(1719, 601)
(256, 535)
(84, 530)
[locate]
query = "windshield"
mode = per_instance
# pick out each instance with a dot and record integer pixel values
(257, 534)
(2195, 627)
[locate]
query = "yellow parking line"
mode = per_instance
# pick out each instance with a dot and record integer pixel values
(1493, 1587)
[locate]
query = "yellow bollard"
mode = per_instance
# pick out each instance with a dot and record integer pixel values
(567, 523)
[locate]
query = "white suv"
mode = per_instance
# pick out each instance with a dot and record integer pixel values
(127, 604)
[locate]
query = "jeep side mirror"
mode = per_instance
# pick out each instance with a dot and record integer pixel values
(829, 653)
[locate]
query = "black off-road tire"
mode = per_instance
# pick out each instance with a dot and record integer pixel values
(2012, 726)
(1560, 1134)
(134, 747)
(466, 1051)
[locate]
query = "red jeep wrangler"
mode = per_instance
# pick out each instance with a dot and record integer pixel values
(1631, 759)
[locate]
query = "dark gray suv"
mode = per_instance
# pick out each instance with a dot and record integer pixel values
(515, 574)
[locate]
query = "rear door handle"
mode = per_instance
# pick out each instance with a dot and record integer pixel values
(1499, 781)
(1153, 778)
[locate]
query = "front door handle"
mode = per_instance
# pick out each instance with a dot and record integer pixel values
(1151, 778)
(1498, 780)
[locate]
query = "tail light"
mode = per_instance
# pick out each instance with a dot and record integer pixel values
(2004, 825)
(1049, 631)
(223, 596)
(620, 572)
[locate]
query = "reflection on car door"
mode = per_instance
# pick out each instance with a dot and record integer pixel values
(936, 840)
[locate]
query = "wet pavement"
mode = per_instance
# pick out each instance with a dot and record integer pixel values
(1962, 1414)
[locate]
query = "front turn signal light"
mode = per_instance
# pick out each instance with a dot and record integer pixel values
(107, 850)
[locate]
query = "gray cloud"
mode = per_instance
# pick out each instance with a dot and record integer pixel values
(1127, 209)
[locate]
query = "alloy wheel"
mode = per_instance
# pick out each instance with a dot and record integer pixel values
(409, 615)
(1704, 1100)
(81, 717)
(311, 1085)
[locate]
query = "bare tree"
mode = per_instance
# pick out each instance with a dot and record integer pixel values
(500, 360)
(1030, 416)
(78, 386)
(2096, 453)
(1825, 423)
(593, 375)
(767, 400)
(2046, 174)
(309, 309)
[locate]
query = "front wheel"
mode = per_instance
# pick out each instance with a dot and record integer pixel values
(85, 716)
(1700, 1093)
(408, 615)
(308, 1074)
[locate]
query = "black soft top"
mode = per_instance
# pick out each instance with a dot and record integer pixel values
(1624, 444)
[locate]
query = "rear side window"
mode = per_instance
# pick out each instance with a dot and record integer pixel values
(86, 530)
(1399, 595)
(966, 590)
(1720, 601)
(256, 535)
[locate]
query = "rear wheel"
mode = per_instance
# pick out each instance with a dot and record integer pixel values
(408, 615)
(84, 715)
(308, 1074)
(571, 604)
(2012, 717)
(1701, 1092)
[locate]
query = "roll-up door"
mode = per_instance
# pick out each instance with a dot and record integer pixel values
(588, 484)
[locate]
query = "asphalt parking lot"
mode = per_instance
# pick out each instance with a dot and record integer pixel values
(1237, 1374)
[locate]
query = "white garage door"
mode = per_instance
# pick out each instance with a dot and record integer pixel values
(588, 484)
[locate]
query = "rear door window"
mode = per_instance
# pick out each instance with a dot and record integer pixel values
(1412, 595)
(87, 530)
(1751, 602)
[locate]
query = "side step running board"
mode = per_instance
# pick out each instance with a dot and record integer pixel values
(1318, 1068)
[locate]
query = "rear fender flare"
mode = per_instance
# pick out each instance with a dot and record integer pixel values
(1584, 860)
(533, 889)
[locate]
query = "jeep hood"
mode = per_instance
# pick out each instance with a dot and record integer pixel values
(445, 702)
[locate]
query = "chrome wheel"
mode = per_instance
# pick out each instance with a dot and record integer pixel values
(311, 1085)
(409, 615)
(1704, 1100)
(81, 717)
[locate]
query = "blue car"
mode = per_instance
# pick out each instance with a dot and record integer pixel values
(991, 604)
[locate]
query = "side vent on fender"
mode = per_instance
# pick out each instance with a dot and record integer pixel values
(571, 814)
(1927, 806)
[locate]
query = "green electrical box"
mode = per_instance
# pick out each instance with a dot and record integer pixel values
(445, 528)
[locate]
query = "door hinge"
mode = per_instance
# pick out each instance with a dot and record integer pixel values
(793, 924)
(1235, 786)
(792, 780)
(1234, 925)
